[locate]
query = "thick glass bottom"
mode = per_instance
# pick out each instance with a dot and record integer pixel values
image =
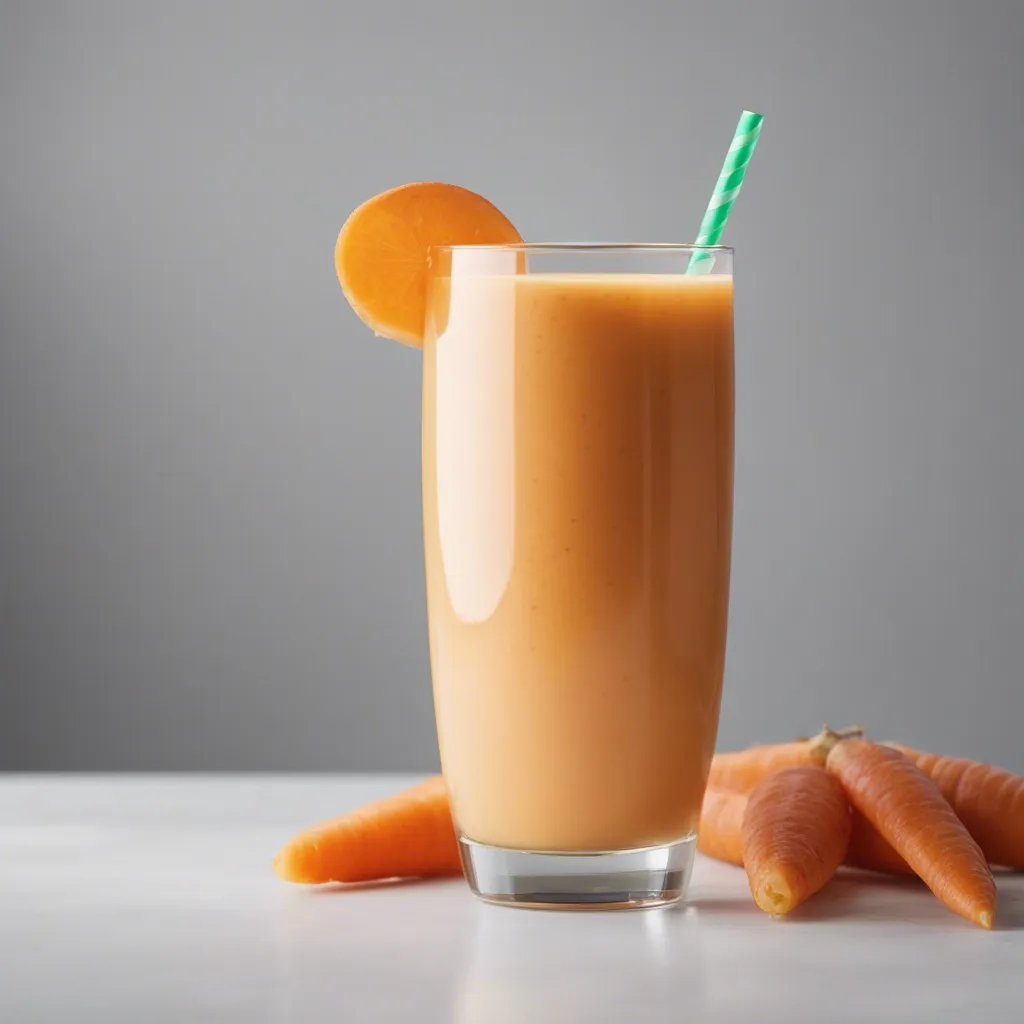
(651, 877)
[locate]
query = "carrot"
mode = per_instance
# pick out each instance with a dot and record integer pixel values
(721, 819)
(742, 770)
(909, 811)
(795, 833)
(404, 835)
(988, 800)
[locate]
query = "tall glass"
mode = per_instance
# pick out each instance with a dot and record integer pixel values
(577, 504)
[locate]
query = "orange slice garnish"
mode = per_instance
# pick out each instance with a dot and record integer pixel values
(382, 250)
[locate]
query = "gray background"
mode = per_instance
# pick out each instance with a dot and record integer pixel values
(210, 549)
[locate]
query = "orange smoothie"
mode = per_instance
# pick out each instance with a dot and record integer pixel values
(577, 497)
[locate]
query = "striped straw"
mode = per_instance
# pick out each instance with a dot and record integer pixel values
(726, 190)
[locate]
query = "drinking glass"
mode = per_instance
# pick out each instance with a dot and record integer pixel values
(577, 508)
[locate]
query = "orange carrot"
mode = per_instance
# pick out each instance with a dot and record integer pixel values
(988, 800)
(909, 811)
(795, 833)
(742, 770)
(382, 255)
(405, 835)
(721, 819)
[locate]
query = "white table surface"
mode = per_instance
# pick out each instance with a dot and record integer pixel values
(152, 899)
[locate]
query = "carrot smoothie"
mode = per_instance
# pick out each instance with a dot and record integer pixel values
(577, 502)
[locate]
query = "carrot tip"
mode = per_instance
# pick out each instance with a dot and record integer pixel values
(985, 919)
(284, 868)
(774, 897)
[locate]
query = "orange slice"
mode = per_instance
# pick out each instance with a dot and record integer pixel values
(382, 250)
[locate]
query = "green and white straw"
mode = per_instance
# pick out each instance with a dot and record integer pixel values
(726, 190)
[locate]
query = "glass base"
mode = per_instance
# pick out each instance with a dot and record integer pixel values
(651, 877)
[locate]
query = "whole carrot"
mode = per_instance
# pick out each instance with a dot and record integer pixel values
(743, 769)
(721, 821)
(988, 800)
(909, 811)
(795, 834)
(405, 835)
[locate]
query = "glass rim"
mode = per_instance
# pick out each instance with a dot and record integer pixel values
(556, 247)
